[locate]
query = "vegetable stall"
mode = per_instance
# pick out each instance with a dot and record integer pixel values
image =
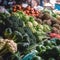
(28, 34)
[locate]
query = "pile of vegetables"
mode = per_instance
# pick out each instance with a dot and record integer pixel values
(48, 50)
(7, 45)
(50, 18)
(40, 31)
(12, 28)
(7, 48)
(28, 10)
(21, 33)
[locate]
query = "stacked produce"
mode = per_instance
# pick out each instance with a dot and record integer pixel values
(48, 50)
(28, 10)
(21, 33)
(38, 30)
(7, 45)
(13, 28)
(51, 19)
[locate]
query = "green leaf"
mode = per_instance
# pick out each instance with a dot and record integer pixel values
(16, 56)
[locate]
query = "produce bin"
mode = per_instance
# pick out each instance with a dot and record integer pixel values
(57, 6)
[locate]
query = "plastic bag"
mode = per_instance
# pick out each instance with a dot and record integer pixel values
(30, 55)
(3, 10)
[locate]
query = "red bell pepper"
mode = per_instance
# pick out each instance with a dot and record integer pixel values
(54, 35)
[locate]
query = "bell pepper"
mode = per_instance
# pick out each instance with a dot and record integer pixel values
(54, 35)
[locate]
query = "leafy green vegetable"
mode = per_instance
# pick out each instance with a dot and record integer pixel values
(8, 33)
(3, 25)
(29, 32)
(15, 56)
(14, 22)
(51, 59)
(17, 36)
(48, 49)
(21, 30)
(37, 58)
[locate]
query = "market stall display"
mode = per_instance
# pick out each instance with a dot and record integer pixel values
(28, 34)
(47, 50)
(27, 10)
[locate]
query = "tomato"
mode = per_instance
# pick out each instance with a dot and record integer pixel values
(33, 12)
(32, 9)
(37, 15)
(27, 11)
(14, 10)
(28, 8)
(24, 11)
(36, 12)
(20, 8)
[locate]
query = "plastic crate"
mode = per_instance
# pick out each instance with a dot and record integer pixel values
(57, 6)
